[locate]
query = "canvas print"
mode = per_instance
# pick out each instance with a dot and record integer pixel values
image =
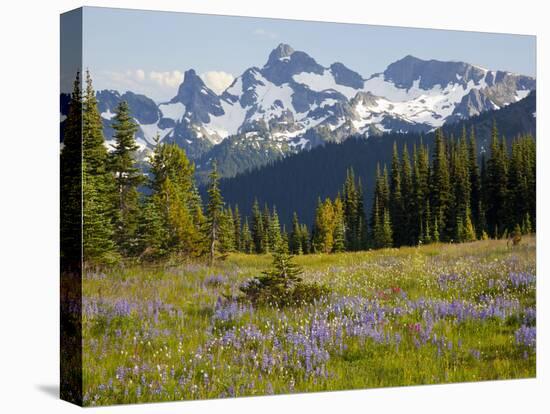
(255, 206)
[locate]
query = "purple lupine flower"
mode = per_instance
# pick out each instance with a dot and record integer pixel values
(215, 280)
(529, 316)
(521, 279)
(526, 336)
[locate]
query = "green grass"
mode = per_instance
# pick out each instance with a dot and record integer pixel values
(157, 333)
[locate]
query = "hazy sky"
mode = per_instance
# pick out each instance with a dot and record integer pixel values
(148, 52)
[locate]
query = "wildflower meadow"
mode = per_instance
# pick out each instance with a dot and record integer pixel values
(438, 313)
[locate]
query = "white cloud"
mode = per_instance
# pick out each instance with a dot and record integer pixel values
(218, 81)
(140, 74)
(265, 33)
(161, 86)
(158, 85)
(171, 79)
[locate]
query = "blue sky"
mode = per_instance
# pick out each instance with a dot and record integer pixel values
(148, 51)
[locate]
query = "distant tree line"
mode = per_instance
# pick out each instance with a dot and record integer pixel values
(449, 196)
(455, 197)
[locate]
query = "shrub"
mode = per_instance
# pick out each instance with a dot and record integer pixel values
(281, 285)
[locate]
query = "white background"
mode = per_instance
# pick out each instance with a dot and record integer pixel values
(29, 72)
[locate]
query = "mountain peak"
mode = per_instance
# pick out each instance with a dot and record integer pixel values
(191, 76)
(281, 52)
(192, 83)
(429, 73)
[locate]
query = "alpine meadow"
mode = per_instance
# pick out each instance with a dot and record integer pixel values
(301, 228)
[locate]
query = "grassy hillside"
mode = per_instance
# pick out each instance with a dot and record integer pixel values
(437, 313)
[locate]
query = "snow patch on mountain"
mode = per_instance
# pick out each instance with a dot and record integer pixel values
(222, 126)
(108, 114)
(324, 82)
(150, 132)
(173, 111)
(522, 94)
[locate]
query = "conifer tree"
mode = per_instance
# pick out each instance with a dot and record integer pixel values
(274, 231)
(407, 192)
(351, 210)
(387, 233)
(276, 285)
(295, 241)
(475, 182)
(435, 234)
(226, 231)
(440, 187)
(266, 225)
(378, 237)
(306, 240)
(426, 231)
(339, 226)
(173, 191)
(127, 179)
(284, 240)
(324, 227)
(152, 231)
(214, 212)
(385, 190)
(396, 208)
(284, 272)
(362, 223)
(71, 182)
(469, 233)
(237, 229)
(257, 228)
(247, 244)
(496, 186)
(197, 214)
(421, 177)
(97, 185)
(521, 179)
(526, 224)
(459, 209)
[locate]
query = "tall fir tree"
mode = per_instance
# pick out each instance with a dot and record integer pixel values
(97, 185)
(387, 232)
(339, 235)
(226, 231)
(407, 193)
(440, 185)
(128, 177)
(323, 240)
(496, 186)
(71, 183)
(306, 239)
(351, 211)
(275, 238)
(377, 237)
(396, 207)
(361, 218)
(172, 190)
(295, 240)
(237, 228)
(475, 184)
(257, 228)
(214, 212)
(247, 244)
(421, 179)
(459, 211)
(266, 225)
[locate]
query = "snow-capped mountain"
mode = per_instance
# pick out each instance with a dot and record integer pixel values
(292, 102)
